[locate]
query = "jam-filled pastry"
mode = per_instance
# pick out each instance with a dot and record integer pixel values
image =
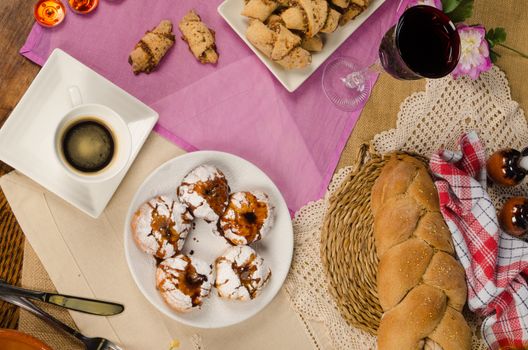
(248, 217)
(241, 273)
(205, 191)
(160, 226)
(201, 40)
(149, 51)
(278, 43)
(259, 9)
(184, 282)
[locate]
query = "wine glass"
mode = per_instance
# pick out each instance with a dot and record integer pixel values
(345, 84)
(423, 44)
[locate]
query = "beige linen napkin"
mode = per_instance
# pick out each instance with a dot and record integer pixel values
(85, 257)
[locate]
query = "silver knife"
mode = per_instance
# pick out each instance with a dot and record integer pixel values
(89, 306)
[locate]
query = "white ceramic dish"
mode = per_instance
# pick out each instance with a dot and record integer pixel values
(291, 79)
(27, 137)
(276, 249)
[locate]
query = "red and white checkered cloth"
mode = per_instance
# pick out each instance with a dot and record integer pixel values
(496, 264)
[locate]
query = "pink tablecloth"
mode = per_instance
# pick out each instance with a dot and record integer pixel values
(236, 106)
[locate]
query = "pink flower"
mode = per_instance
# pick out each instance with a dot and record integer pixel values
(434, 3)
(474, 52)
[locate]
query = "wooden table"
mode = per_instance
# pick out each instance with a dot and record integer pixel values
(16, 73)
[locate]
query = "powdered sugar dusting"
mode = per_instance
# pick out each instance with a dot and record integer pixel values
(270, 219)
(167, 275)
(239, 200)
(228, 282)
(202, 173)
(182, 218)
(152, 241)
(196, 202)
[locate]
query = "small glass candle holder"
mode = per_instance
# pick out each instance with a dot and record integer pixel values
(49, 13)
(83, 7)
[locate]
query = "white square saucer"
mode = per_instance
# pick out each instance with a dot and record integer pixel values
(27, 137)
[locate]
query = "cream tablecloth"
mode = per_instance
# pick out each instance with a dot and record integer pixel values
(84, 256)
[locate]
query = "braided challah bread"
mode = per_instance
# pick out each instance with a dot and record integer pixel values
(421, 286)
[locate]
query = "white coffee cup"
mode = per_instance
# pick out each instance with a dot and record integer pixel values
(103, 115)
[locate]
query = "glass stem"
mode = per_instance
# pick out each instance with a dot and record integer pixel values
(357, 80)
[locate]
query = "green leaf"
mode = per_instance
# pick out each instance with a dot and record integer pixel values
(450, 5)
(500, 35)
(496, 36)
(490, 35)
(494, 56)
(462, 12)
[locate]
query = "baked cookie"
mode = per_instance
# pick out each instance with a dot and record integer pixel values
(184, 282)
(278, 43)
(241, 273)
(149, 51)
(205, 191)
(248, 217)
(259, 9)
(160, 226)
(313, 44)
(201, 40)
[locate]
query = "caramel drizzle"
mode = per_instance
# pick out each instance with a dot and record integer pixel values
(165, 226)
(188, 281)
(248, 219)
(245, 273)
(215, 192)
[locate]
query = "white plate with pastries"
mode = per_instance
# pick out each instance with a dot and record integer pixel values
(291, 79)
(204, 244)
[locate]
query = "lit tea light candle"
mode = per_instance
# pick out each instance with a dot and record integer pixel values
(49, 13)
(83, 6)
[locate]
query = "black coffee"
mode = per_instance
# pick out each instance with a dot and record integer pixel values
(88, 145)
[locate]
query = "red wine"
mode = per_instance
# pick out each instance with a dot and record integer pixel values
(424, 43)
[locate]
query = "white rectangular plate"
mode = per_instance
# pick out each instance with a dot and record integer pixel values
(27, 137)
(291, 79)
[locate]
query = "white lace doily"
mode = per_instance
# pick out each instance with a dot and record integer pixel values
(436, 118)
(427, 121)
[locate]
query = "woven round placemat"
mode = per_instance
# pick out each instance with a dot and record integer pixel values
(11, 254)
(347, 244)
